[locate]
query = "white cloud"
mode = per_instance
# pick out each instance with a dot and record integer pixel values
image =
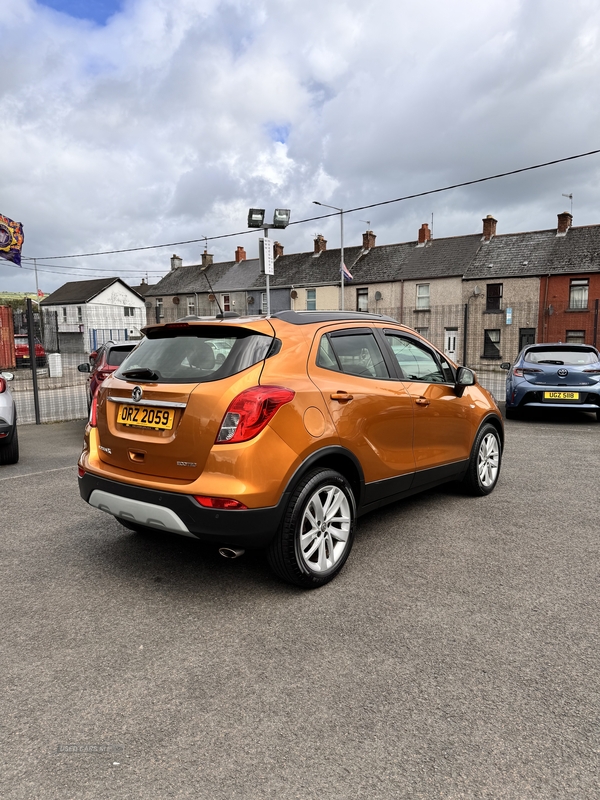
(168, 122)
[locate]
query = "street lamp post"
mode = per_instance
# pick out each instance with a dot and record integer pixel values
(281, 219)
(341, 210)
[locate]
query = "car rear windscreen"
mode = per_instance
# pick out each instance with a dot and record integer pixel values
(194, 354)
(116, 355)
(575, 356)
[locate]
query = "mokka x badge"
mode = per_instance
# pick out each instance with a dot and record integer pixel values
(136, 394)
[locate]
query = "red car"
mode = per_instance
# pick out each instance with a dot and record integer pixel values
(104, 361)
(22, 351)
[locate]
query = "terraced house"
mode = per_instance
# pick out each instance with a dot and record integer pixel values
(479, 297)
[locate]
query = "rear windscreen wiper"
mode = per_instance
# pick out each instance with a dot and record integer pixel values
(549, 361)
(140, 373)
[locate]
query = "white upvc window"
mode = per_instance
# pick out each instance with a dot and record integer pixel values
(422, 295)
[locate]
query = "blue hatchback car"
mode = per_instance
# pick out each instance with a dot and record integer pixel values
(554, 376)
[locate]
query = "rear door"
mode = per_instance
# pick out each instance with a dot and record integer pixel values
(371, 409)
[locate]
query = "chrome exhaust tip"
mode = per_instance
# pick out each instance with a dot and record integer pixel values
(231, 552)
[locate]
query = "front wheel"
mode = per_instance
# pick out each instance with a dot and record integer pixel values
(317, 531)
(484, 464)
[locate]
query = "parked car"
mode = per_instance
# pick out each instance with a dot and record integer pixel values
(556, 375)
(22, 351)
(103, 362)
(9, 440)
(311, 420)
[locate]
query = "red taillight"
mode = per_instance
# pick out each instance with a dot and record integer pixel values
(93, 420)
(80, 472)
(250, 412)
(593, 371)
(2, 385)
(523, 372)
(220, 502)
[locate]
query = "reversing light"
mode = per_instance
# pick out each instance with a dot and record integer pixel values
(225, 503)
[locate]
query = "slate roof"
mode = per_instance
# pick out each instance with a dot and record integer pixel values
(527, 254)
(522, 255)
(81, 291)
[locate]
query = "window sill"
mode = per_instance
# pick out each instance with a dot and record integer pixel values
(494, 311)
(491, 358)
(422, 311)
(577, 310)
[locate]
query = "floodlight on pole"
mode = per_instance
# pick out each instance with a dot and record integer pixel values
(342, 266)
(256, 217)
(281, 218)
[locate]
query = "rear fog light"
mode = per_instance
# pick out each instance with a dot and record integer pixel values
(80, 471)
(220, 502)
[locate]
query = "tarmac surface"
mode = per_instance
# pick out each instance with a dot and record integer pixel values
(455, 656)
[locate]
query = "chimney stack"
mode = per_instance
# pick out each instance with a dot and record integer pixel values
(176, 262)
(207, 259)
(424, 233)
(277, 249)
(320, 244)
(565, 220)
(240, 254)
(489, 227)
(368, 240)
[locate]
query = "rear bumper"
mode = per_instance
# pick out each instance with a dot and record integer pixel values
(180, 513)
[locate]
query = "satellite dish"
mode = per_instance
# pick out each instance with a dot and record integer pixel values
(212, 298)
(378, 295)
(293, 294)
(176, 301)
(250, 301)
(476, 291)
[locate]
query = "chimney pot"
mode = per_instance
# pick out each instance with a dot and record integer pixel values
(489, 227)
(240, 254)
(207, 259)
(565, 220)
(368, 240)
(424, 233)
(320, 244)
(277, 249)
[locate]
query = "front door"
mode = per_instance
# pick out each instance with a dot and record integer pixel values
(526, 336)
(450, 335)
(443, 434)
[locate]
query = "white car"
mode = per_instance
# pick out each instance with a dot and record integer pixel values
(9, 441)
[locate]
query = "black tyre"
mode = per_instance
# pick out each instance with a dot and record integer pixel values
(484, 464)
(317, 531)
(9, 451)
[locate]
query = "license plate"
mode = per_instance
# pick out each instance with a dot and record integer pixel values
(561, 396)
(146, 416)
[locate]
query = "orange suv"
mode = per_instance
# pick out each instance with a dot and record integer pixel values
(310, 420)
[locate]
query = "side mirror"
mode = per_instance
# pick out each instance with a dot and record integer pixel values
(84, 368)
(464, 377)
(8, 376)
(505, 365)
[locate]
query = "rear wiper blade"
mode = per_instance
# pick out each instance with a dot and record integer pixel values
(140, 373)
(548, 361)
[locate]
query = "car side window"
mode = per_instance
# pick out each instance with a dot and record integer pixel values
(356, 354)
(325, 355)
(416, 362)
(449, 376)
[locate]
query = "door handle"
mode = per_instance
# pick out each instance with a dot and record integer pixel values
(422, 401)
(342, 397)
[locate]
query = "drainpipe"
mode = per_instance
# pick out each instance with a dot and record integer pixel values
(465, 326)
(545, 311)
(596, 322)
(401, 301)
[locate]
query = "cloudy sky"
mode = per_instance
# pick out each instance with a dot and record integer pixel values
(128, 123)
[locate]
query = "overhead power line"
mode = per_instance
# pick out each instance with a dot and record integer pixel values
(325, 216)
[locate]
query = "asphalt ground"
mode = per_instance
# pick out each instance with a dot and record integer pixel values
(455, 656)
